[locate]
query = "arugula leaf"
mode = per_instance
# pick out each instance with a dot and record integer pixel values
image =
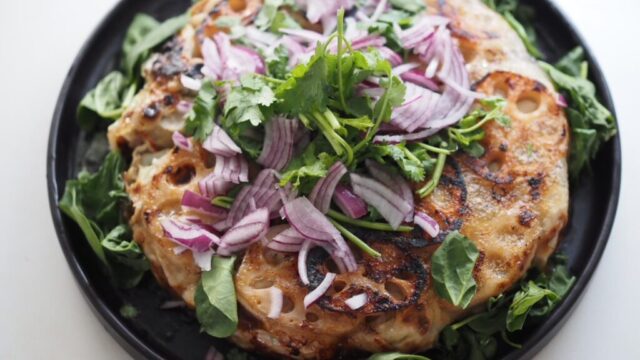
(127, 261)
(306, 90)
(215, 298)
(245, 102)
(452, 267)
(143, 35)
(108, 99)
(396, 356)
(591, 123)
(519, 17)
(200, 119)
(523, 302)
(92, 201)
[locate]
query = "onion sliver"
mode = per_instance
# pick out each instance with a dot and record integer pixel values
(277, 300)
(313, 296)
(389, 204)
(357, 301)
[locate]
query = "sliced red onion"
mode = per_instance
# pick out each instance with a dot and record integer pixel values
(276, 302)
(234, 169)
(213, 354)
(350, 204)
(251, 56)
(247, 231)
(199, 203)
(394, 58)
(317, 293)
(389, 204)
(401, 69)
(220, 143)
(188, 235)
(265, 193)
(305, 35)
(368, 41)
(182, 141)
(302, 262)
(288, 240)
(562, 101)
(203, 259)
(421, 30)
(415, 77)
(190, 83)
(223, 61)
(277, 149)
(357, 301)
(419, 106)
(380, 8)
(393, 181)
(323, 190)
(309, 221)
(427, 223)
(213, 185)
(184, 106)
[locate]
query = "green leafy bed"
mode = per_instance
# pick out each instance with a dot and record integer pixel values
(320, 93)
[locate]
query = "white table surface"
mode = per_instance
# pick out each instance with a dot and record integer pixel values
(43, 312)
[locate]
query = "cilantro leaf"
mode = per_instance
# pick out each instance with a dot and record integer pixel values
(413, 164)
(278, 62)
(452, 267)
(269, 15)
(412, 6)
(305, 170)
(245, 102)
(306, 90)
(200, 119)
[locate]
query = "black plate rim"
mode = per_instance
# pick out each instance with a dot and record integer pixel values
(138, 349)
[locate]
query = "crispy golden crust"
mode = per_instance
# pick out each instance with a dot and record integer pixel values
(512, 202)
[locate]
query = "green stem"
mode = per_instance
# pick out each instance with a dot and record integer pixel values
(434, 149)
(270, 79)
(331, 118)
(435, 179)
(379, 118)
(366, 224)
(340, 40)
(222, 201)
(356, 240)
(328, 133)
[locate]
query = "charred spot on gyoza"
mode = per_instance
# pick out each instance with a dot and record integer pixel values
(393, 282)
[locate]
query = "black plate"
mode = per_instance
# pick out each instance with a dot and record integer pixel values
(173, 334)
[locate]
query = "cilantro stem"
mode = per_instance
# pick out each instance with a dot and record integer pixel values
(366, 224)
(270, 79)
(379, 118)
(340, 146)
(435, 179)
(434, 149)
(356, 240)
(340, 52)
(331, 118)
(222, 201)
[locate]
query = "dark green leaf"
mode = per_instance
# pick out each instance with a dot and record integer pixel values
(128, 263)
(107, 100)
(573, 63)
(524, 300)
(278, 63)
(452, 269)
(215, 298)
(306, 90)
(201, 118)
(143, 36)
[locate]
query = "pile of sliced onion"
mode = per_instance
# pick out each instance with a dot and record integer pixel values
(224, 61)
(393, 181)
(350, 204)
(182, 141)
(420, 104)
(188, 235)
(323, 190)
(288, 240)
(390, 205)
(427, 223)
(317, 293)
(276, 302)
(234, 169)
(277, 149)
(201, 204)
(246, 232)
(220, 143)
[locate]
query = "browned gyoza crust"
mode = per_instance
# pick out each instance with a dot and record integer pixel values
(512, 202)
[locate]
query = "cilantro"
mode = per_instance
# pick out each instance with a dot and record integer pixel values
(278, 62)
(247, 101)
(591, 123)
(200, 119)
(306, 89)
(93, 202)
(269, 14)
(305, 170)
(413, 163)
